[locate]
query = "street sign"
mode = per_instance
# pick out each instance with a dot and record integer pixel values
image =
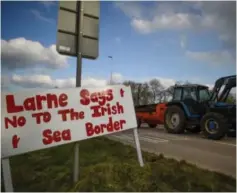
(34, 120)
(78, 35)
(75, 19)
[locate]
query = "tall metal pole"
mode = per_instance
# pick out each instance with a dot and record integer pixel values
(78, 83)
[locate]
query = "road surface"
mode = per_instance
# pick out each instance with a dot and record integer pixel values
(212, 155)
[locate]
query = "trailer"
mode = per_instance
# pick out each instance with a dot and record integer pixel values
(152, 114)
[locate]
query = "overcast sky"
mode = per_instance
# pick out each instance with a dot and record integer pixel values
(171, 41)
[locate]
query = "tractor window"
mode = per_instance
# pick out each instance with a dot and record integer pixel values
(177, 94)
(231, 97)
(204, 95)
(189, 93)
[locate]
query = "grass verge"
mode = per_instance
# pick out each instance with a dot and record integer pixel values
(107, 165)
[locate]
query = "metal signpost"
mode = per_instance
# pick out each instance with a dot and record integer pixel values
(7, 177)
(78, 35)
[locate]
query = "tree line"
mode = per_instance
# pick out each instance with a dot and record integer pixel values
(154, 91)
(148, 92)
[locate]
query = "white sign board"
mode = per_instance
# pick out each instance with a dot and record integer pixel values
(33, 120)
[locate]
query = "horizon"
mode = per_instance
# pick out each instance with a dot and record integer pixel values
(170, 41)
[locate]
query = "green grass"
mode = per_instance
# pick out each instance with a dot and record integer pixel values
(107, 165)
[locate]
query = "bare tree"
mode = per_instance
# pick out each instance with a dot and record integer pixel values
(167, 93)
(156, 88)
(140, 91)
(145, 94)
(133, 86)
(136, 91)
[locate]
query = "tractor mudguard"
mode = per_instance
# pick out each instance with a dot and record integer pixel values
(185, 108)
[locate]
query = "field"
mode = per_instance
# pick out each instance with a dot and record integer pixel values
(107, 165)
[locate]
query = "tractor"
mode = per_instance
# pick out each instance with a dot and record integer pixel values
(194, 108)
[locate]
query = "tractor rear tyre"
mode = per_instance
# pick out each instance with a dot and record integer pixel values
(214, 126)
(175, 120)
(231, 133)
(152, 125)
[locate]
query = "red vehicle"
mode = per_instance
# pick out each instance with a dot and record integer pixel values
(151, 114)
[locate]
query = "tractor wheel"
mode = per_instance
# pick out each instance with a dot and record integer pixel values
(175, 120)
(214, 126)
(231, 133)
(152, 125)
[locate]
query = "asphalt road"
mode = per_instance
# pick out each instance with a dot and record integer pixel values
(212, 155)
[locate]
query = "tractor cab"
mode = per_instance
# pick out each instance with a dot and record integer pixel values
(194, 108)
(202, 94)
(196, 92)
(192, 98)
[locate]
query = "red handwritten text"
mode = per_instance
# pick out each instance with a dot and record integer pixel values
(122, 92)
(96, 97)
(15, 141)
(110, 127)
(98, 111)
(46, 117)
(55, 136)
(73, 115)
(15, 122)
(36, 103)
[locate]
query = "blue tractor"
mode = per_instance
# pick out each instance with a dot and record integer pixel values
(196, 109)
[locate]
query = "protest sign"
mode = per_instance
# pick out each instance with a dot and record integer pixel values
(34, 120)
